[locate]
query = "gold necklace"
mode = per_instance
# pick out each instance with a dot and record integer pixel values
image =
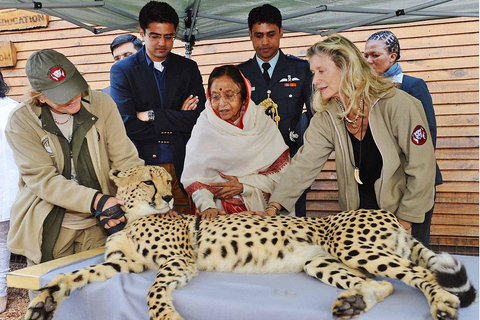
(356, 169)
(354, 121)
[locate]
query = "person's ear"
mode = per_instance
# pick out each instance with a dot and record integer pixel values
(142, 33)
(281, 32)
(393, 57)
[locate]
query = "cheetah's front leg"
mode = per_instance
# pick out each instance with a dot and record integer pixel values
(44, 305)
(173, 274)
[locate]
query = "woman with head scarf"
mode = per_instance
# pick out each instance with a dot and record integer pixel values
(236, 154)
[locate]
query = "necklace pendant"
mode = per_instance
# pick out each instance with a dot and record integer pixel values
(357, 175)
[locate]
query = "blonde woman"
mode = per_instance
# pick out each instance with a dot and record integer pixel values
(380, 136)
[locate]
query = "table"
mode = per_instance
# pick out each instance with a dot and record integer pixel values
(213, 295)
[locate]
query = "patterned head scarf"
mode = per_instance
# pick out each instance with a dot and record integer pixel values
(390, 40)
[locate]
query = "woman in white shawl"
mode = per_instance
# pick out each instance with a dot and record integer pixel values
(236, 154)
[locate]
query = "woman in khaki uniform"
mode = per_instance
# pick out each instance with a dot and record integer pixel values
(65, 139)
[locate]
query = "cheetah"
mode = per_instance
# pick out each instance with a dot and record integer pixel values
(344, 250)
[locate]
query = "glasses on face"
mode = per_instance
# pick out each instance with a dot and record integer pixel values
(157, 37)
(122, 56)
(229, 96)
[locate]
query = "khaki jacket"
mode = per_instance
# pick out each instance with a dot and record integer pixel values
(406, 183)
(40, 160)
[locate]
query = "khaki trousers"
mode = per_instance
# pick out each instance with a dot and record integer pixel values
(73, 241)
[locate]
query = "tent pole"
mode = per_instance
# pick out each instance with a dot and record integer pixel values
(190, 21)
(387, 11)
(38, 5)
(386, 16)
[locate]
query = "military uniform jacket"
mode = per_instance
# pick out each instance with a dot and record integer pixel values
(290, 87)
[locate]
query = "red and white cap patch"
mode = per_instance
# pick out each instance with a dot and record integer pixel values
(57, 74)
(419, 135)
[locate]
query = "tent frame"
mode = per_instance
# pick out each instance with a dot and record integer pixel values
(192, 13)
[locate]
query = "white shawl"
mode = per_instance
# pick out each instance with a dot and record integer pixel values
(220, 146)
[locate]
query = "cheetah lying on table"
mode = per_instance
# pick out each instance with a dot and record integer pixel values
(343, 250)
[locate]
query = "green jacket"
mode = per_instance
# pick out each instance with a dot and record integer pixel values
(406, 183)
(99, 144)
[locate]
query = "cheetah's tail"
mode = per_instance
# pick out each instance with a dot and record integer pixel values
(452, 276)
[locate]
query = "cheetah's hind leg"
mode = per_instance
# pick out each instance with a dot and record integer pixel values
(173, 274)
(361, 292)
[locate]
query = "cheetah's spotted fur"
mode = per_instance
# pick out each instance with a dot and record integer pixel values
(341, 250)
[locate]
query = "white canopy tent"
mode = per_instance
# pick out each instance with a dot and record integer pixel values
(208, 19)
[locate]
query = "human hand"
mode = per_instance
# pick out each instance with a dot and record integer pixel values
(190, 103)
(111, 201)
(171, 214)
(143, 116)
(227, 189)
(211, 213)
(269, 211)
(406, 225)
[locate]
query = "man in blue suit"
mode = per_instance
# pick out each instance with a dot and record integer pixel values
(285, 79)
(157, 93)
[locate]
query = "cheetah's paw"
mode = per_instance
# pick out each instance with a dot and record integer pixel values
(445, 306)
(348, 306)
(42, 308)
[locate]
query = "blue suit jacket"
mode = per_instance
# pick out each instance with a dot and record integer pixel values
(133, 87)
(288, 95)
(417, 88)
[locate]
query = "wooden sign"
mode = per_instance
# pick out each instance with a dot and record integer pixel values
(8, 54)
(21, 19)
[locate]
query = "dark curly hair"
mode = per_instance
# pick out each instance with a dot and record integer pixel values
(264, 14)
(155, 11)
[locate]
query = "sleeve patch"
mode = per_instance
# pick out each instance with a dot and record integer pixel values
(419, 135)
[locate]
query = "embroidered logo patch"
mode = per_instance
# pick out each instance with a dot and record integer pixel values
(419, 135)
(46, 145)
(57, 74)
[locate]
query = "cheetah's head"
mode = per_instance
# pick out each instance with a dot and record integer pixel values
(144, 189)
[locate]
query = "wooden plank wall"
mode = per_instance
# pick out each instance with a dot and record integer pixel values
(442, 52)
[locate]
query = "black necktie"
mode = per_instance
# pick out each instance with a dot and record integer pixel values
(266, 76)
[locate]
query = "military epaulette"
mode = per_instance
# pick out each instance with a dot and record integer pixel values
(289, 56)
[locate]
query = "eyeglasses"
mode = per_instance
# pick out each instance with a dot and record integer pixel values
(122, 56)
(229, 96)
(156, 36)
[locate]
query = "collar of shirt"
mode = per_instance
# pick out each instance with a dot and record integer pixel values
(153, 64)
(273, 63)
(397, 78)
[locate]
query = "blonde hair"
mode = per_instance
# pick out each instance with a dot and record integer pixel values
(358, 80)
(32, 97)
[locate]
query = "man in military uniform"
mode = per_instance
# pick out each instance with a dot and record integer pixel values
(281, 83)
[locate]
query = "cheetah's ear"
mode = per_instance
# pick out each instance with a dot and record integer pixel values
(115, 174)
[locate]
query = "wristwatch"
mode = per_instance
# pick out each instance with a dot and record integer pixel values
(151, 115)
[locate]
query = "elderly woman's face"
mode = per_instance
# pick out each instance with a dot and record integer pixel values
(326, 75)
(71, 107)
(225, 98)
(378, 57)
